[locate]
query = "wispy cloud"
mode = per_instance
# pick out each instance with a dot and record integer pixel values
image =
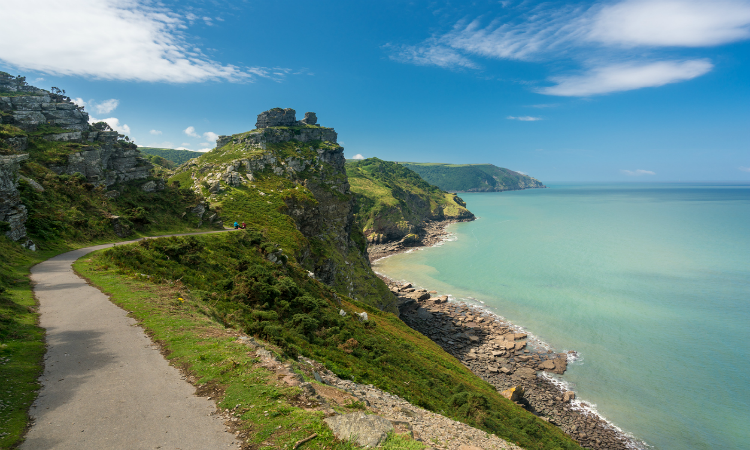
(135, 40)
(210, 136)
(626, 77)
(637, 172)
(190, 131)
(155, 132)
(524, 118)
(358, 156)
(608, 33)
(545, 105)
(745, 169)
(107, 106)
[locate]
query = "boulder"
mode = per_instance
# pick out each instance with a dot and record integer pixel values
(513, 394)
(525, 373)
(547, 365)
(365, 430)
(568, 396)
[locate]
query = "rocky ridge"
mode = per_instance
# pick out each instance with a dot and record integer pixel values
(12, 211)
(308, 156)
(500, 353)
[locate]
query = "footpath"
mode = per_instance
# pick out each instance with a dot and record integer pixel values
(105, 384)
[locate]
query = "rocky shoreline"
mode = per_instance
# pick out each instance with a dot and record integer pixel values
(499, 352)
(431, 233)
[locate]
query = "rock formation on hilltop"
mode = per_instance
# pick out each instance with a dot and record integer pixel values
(288, 170)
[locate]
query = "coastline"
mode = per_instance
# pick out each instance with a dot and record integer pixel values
(502, 354)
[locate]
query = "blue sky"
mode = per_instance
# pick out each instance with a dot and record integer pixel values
(591, 91)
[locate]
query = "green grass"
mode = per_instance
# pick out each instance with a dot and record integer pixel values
(229, 280)
(223, 368)
(391, 199)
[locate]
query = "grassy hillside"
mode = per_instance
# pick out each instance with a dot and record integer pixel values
(473, 177)
(299, 197)
(393, 201)
(175, 156)
(230, 279)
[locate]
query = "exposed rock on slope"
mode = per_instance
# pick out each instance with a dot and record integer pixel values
(12, 212)
(288, 177)
(473, 177)
(395, 203)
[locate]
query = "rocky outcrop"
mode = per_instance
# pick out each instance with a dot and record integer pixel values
(262, 137)
(12, 212)
(277, 117)
(107, 163)
(365, 430)
(28, 112)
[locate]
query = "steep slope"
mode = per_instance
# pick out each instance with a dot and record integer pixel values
(287, 178)
(473, 177)
(394, 202)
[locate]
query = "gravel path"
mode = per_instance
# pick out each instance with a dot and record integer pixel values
(105, 385)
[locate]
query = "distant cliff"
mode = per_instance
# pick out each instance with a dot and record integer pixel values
(393, 202)
(473, 177)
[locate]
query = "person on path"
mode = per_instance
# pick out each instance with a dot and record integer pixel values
(236, 225)
(243, 225)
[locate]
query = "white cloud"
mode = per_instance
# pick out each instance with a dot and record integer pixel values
(683, 23)
(113, 122)
(37, 80)
(204, 144)
(625, 77)
(190, 131)
(358, 156)
(208, 149)
(155, 132)
(137, 40)
(607, 32)
(185, 144)
(431, 55)
(79, 101)
(745, 169)
(524, 118)
(183, 148)
(107, 106)
(210, 136)
(545, 105)
(638, 172)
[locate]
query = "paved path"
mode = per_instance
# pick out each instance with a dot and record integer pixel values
(105, 385)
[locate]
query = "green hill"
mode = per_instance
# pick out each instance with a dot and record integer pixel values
(473, 177)
(394, 201)
(176, 156)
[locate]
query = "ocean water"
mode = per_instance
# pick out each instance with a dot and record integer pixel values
(650, 283)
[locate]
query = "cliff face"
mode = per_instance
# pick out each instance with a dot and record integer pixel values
(12, 211)
(291, 182)
(394, 202)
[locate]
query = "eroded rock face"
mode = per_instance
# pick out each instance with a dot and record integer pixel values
(108, 165)
(366, 430)
(277, 117)
(11, 209)
(28, 112)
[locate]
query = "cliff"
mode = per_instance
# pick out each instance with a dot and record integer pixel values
(288, 178)
(394, 202)
(63, 179)
(473, 177)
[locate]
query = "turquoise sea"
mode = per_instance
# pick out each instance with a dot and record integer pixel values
(650, 283)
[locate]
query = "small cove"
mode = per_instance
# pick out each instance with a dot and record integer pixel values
(650, 283)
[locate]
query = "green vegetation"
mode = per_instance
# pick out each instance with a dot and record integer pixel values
(287, 209)
(392, 200)
(21, 340)
(177, 157)
(472, 177)
(269, 412)
(228, 280)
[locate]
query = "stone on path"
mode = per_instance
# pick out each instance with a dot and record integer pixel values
(365, 430)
